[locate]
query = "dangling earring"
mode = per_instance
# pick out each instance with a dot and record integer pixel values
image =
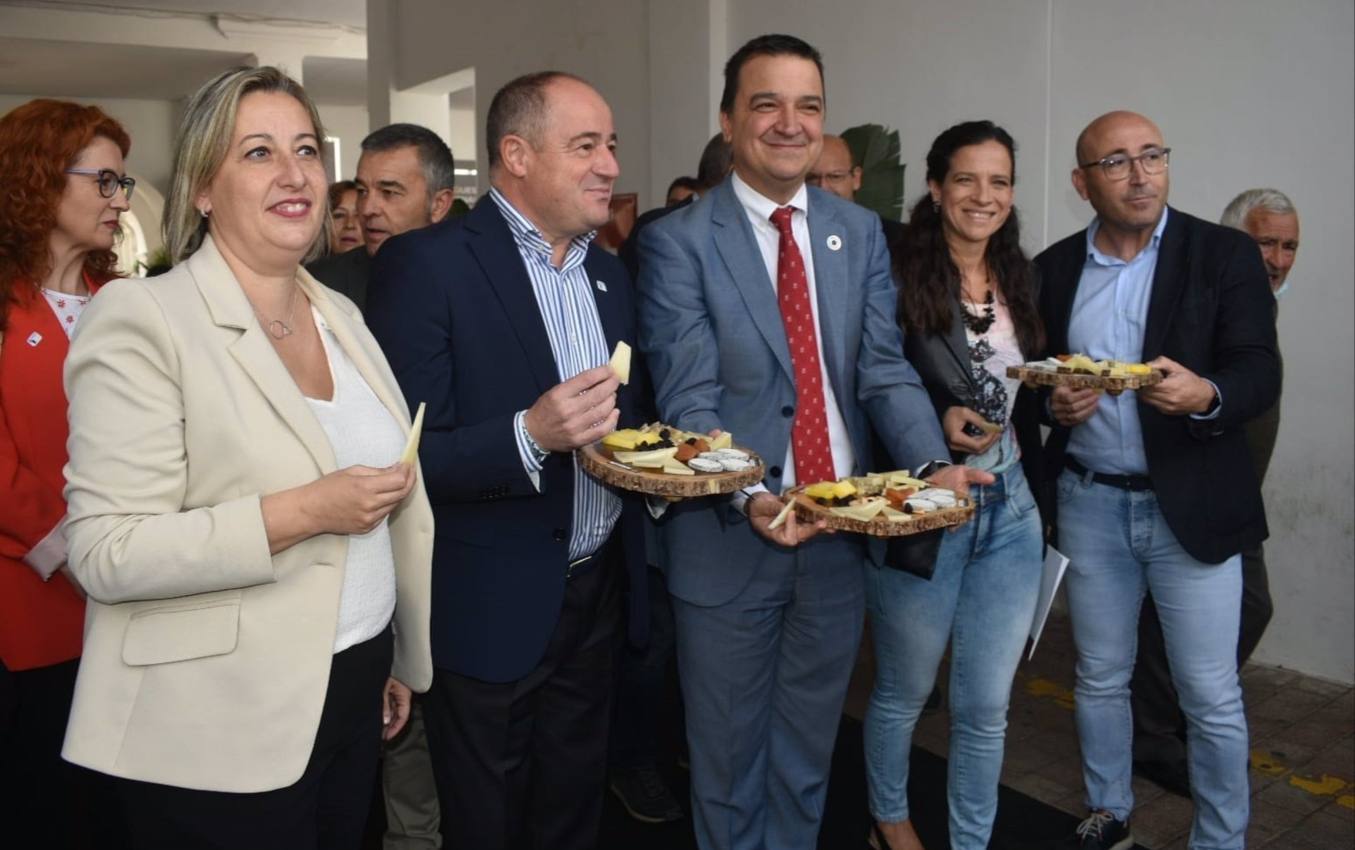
(204, 213)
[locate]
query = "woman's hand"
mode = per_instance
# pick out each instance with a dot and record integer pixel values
(953, 423)
(349, 501)
(395, 702)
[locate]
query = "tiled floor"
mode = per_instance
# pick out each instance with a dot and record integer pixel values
(1302, 737)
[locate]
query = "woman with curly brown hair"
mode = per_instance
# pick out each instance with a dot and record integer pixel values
(64, 187)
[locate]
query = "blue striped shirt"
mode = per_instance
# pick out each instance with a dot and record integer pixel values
(565, 298)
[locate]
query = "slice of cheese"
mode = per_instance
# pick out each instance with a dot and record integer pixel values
(723, 440)
(865, 513)
(652, 457)
(621, 362)
(673, 466)
(627, 439)
(411, 452)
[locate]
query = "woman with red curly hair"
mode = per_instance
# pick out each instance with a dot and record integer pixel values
(64, 188)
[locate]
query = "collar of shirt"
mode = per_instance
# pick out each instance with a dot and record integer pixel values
(1096, 255)
(760, 207)
(531, 242)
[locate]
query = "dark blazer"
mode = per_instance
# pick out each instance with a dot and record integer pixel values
(346, 273)
(454, 310)
(1211, 311)
(943, 363)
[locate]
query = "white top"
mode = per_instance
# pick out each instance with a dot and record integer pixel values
(759, 209)
(991, 353)
(361, 431)
(67, 307)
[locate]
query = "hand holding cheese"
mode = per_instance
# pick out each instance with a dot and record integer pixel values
(576, 412)
(621, 362)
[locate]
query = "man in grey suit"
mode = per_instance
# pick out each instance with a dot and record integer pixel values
(767, 310)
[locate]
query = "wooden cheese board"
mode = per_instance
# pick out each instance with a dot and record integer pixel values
(1044, 373)
(902, 525)
(596, 460)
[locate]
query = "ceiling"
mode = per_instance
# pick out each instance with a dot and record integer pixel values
(348, 13)
(86, 69)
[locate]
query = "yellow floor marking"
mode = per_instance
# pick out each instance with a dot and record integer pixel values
(1324, 787)
(1347, 800)
(1040, 687)
(1264, 763)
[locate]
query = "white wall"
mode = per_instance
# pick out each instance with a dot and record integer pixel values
(349, 123)
(1248, 93)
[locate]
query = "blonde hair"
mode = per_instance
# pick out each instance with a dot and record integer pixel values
(203, 141)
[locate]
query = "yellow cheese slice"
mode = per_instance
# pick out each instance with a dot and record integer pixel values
(673, 466)
(621, 362)
(626, 439)
(652, 457)
(864, 513)
(724, 440)
(411, 452)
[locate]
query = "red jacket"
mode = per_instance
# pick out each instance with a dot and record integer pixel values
(40, 621)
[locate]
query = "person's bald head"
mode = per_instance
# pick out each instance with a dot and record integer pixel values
(834, 171)
(1122, 171)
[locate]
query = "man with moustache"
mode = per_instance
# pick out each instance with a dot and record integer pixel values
(1156, 492)
(1269, 218)
(502, 321)
(767, 310)
(405, 181)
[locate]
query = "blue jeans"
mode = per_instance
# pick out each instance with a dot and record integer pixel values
(981, 600)
(1119, 546)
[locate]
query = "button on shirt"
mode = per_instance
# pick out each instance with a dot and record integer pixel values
(565, 298)
(759, 210)
(1110, 312)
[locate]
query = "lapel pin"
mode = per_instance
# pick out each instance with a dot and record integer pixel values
(602, 287)
(834, 243)
(33, 339)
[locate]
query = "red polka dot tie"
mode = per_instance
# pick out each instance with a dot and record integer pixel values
(809, 432)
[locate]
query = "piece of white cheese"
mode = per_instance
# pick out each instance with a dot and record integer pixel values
(621, 362)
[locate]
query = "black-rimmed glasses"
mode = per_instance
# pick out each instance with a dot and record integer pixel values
(1118, 165)
(109, 180)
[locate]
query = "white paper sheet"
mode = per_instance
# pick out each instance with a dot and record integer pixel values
(1055, 563)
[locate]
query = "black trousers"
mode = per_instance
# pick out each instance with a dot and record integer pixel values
(643, 685)
(523, 764)
(45, 801)
(326, 809)
(1159, 725)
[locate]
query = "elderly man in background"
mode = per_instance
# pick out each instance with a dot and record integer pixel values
(836, 172)
(1157, 494)
(1269, 217)
(404, 181)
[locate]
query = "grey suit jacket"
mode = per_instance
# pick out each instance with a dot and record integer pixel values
(711, 331)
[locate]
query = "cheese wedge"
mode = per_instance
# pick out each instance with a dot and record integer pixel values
(621, 362)
(781, 518)
(724, 440)
(627, 439)
(411, 453)
(865, 513)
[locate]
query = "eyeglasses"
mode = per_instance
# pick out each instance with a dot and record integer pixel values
(109, 181)
(1117, 165)
(814, 178)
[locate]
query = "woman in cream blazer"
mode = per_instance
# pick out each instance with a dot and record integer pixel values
(210, 521)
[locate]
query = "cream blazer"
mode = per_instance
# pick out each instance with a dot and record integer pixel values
(206, 660)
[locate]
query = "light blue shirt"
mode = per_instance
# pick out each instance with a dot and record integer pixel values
(565, 298)
(1110, 312)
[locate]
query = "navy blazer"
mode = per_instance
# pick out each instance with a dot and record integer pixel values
(1211, 311)
(711, 331)
(454, 311)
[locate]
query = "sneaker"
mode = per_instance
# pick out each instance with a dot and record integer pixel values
(645, 795)
(1101, 831)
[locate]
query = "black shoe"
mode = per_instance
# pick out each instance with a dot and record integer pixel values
(645, 796)
(1171, 776)
(1101, 831)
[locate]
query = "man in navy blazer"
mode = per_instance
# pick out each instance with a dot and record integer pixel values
(503, 322)
(767, 630)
